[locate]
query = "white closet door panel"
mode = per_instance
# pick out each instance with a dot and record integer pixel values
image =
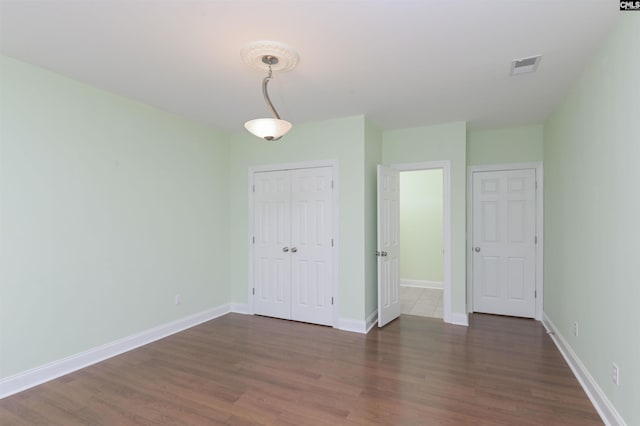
(272, 228)
(311, 237)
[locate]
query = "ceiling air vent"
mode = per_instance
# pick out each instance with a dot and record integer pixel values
(525, 65)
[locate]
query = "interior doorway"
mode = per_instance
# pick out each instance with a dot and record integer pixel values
(388, 238)
(421, 242)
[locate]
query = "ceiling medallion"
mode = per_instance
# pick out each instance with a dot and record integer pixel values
(253, 53)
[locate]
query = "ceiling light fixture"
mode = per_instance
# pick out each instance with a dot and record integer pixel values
(274, 128)
(268, 54)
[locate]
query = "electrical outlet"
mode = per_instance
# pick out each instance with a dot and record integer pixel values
(178, 299)
(615, 374)
(575, 328)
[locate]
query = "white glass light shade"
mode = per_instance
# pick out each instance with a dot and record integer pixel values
(268, 128)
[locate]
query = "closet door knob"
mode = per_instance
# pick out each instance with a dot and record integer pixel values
(294, 250)
(285, 249)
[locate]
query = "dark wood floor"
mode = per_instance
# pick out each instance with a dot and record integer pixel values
(250, 370)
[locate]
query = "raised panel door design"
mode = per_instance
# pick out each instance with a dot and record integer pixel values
(388, 245)
(489, 275)
(490, 220)
(293, 225)
(272, 266)
(311, 234)
(516, 278)
(504, 242)
(516, 221)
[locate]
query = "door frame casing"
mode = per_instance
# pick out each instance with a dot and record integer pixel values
(445, 166)
(335, 255)
(539, 268)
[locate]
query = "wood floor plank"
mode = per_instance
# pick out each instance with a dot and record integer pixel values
(252, 370)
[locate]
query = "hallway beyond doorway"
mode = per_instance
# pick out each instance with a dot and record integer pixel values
(424, 302)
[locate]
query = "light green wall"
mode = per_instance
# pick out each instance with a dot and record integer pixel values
(592, 211)
(421, 225)
(373, 157)
(506, 145)
(342, 140)
(108, 209)
(434, 143)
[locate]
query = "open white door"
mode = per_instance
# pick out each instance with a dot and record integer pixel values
(388, 245)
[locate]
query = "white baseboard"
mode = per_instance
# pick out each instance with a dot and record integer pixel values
(371, 320)
(603, 406)
(421, 283)
(458, 318)
(44, 373)
(241, 308)
(355, 326)
(358, 326)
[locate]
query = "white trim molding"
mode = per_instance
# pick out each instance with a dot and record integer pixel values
(421, 284)
(603, 406)
(371, 321)
(358, 326)
(240, 308)
(44, 373)
(352, 325)
(538, 167)
(459, 318)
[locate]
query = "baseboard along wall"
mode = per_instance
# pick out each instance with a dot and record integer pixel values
(421, 284)
(371, 321)
(603, 406)
(27, 379)
(44, 373)
(352, 325)
(33, 377)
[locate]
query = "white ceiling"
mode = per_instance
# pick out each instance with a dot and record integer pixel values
(401, 63)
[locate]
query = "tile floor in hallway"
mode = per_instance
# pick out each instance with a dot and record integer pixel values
(425, 302)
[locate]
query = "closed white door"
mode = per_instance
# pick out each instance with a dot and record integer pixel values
(504, 238)
(388, 245)
(272, 259)
(311, 242)
(293, 241)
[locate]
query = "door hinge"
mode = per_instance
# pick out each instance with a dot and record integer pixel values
(254, 291)
(331, 184)
(253, 188)
(332, 300)
(535, 294)
(253, 239)
(536, 239)
(332, 242)
(536, 184)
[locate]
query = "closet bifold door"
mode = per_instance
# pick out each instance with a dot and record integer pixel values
(311, 234)
(272, 257)
(293, 248)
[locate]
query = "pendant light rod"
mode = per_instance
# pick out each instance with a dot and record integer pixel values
(269, 60)
(270, 129)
